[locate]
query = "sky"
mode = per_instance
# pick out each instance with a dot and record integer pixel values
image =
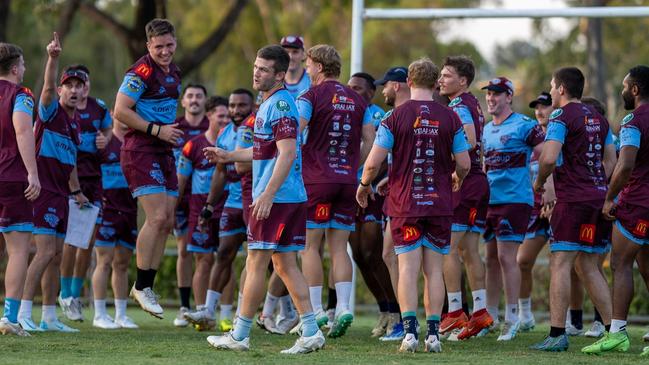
(486, 33)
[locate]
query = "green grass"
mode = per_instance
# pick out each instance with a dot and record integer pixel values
(158, 342)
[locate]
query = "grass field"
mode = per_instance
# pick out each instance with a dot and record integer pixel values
(158, 342)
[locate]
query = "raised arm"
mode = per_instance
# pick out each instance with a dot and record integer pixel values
(48, 94)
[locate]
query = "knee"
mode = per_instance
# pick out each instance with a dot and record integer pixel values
(388, 257)
(226, 254)
(160, 221)
(120, 265)
(525, 264)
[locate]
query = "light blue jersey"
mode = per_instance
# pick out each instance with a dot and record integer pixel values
(227, 140)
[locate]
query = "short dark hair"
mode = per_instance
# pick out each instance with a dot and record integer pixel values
(596, 104)
(195, 86)
(367, 77)
(9, 55)
(572, 80)
(277, 54)
(243, 91)
(158, 27)
(463, 65)
(214, 101)
(639, 75)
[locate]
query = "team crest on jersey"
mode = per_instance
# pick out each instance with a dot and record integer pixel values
(51, 219)
(505, 138)
(134, 84)
(627, 119)
(112, 156)
(455, 102)
(555, 114)
(143, 70)
(282, 106)
(156, 174)
(246, 136)
(28, 103)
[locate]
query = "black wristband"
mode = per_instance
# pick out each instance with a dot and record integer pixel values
(159, 128)
(149, 128)
(363, 185)
(206, 213)
(76, 192)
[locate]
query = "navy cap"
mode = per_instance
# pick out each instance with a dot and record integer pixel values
(397, 74)
(544, 99)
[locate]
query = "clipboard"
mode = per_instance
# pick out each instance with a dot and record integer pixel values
(81, 224)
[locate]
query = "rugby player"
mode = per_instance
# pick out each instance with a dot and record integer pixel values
(297, 80)
(367, 240)
(455, 79)
(95, 123)
(57, 138)
(192, 123)
(277, 223)
(508, 142)
(626, 204)
(338, 138)
(395, 92)
(425, 137)
(146, 103)
(115, 237)
(19, 177)
(579, 149)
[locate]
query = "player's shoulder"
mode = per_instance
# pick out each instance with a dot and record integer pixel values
(556, 114)
(25, 91)
(143, 68)
(250, 121)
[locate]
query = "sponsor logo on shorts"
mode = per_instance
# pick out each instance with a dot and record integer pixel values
(473, 213)
(323, 212)
(107, 232)
(641, 228)
(280, 230)
(587, 233)
(410, 233)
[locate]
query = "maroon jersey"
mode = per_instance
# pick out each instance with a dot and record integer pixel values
(92, 120)
(423, 135)
(116, 194)
(57, 139)
(336, 116)
(13, 98)
(579, 175)
(468, 109)
(189, 132)
(635, 132)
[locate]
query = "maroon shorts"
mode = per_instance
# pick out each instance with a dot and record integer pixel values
(537, 226)
(410, 233)
(150, 173)
(206, 240)
(471, 202)
(374, 211)
(51, 214)
(507, 222)
(117, 228)
(581, 227)
(16, 213)
(633, 222)
(92, 189)
(231, 222)
(182, 215)
(331, 206)
(283, 231)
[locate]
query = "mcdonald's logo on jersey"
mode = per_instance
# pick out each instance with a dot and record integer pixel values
(323, 212)
(473, 212)
(641, 228)
(410, 233)
(143, 70)
(587, 233)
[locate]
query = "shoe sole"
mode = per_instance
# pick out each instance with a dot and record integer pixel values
(344, 322)
(154, 314)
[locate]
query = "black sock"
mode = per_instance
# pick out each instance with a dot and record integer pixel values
(332, 299)
(608, 328)
(410, 325)
(185, 291)
(433, 326)
(151, 278)
(557, 331)
(598, 317)
(577, 318)
(383, 306)
(141, 278)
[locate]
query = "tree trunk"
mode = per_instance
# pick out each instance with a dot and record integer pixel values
(5, 7)
(595, 55)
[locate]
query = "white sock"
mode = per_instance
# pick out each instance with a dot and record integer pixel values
(211, 301)
(120, 308)
(269, 305)
(343, 294)
(617, 325)
(200, 307)
(239, 302)
(286, 309)
(315, 292)
(226, 311)
(100, 308)
(511, 313)
(25, 310)
(454, 301)
(525, 305)
(479, 299)
(568, 318)
(49, 313)
(493, 312)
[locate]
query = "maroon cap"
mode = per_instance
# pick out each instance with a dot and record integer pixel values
(500, 85)
(74, 74)
(292, 41)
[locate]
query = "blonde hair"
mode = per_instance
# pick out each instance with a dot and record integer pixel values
(328, 57)
(423, 73)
